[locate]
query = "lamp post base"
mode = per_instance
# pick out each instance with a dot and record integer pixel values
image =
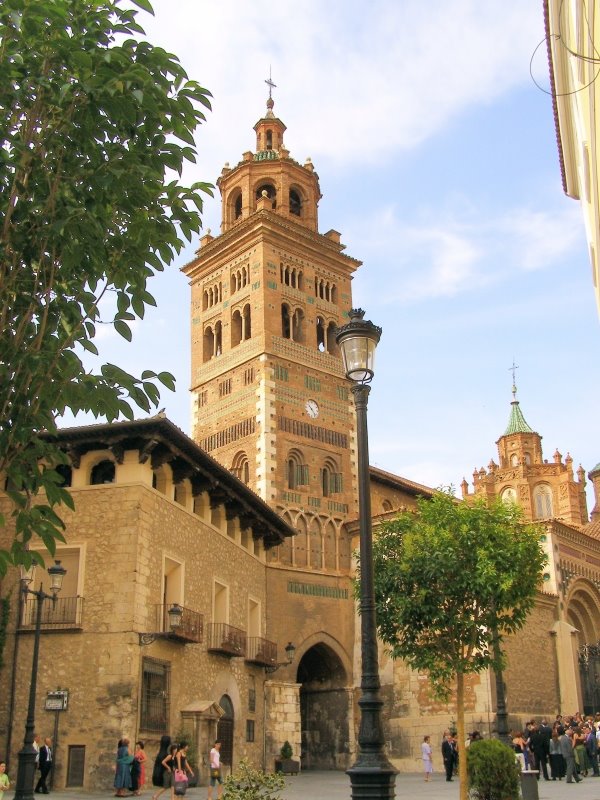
(26, 769)
(372, 782)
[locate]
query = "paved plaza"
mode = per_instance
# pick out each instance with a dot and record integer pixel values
(336, 786)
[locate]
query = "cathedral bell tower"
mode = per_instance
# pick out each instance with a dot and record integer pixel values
(270, 398)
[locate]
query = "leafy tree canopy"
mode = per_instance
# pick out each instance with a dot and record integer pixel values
(96, 125)
(450, 578)
(450, 582)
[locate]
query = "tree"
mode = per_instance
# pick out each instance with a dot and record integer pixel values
(450, 582)
(95, 127)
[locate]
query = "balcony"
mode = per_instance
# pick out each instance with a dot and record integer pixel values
(189, 629)
(226, 640)
(261, 651)
(65, 614)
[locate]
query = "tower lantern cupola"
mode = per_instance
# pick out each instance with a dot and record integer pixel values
(269, 180)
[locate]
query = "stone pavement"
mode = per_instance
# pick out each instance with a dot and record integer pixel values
(336, 786)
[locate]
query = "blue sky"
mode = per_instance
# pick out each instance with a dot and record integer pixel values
(438, 164)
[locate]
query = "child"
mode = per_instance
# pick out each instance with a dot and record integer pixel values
(4, 781)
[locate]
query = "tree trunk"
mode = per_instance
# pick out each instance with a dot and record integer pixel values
(460, 729)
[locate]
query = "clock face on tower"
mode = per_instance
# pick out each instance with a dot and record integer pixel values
(312, 409)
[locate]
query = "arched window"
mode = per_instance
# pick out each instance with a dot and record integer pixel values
(236, 328)
(295, 203)
(296, 470)
(270, 190)
(208, 345)
(514, 460)
(386, 506)
(298, 325)
(240, 467)
(331, 478)
(286, 327)
(246, 325)
(320, 334)
(103, 472)
(331, 343)
(269, 140)
(65, 472)
(509, 495)
(542, 501)
(237, 206)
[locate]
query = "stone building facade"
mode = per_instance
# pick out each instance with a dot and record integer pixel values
(251, 529)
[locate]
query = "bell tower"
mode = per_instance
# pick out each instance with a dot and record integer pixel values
(269, 397)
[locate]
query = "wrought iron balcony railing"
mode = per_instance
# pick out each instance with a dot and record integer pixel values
(190, 628)
(65, 614)
(261, 651)
(226, 639)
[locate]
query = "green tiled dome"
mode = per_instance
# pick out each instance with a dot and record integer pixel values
(516, 422)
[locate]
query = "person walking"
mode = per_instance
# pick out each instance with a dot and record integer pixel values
(426, 755)
(158, 771)
(216, 779)
(45, 764)
(566, 749)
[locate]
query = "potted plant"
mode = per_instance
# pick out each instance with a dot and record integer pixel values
(285, 763)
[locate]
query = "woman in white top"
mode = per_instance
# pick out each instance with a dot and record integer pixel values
(426, 756)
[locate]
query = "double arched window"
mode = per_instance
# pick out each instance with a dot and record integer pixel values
(240, 325)
(542, 501)
(296, 470)
(240, 467)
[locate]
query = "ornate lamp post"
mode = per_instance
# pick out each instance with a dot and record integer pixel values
(372, 777)
(26, 763)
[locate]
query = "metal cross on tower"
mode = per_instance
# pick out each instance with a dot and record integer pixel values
(270, 83)
(514, 383)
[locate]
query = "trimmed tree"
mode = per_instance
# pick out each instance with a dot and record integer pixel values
(450, 581)
(96, 127)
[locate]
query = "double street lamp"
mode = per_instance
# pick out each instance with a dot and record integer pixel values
(372, 777)
(27, 755)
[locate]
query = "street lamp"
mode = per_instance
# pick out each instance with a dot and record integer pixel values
(372, 777)
(290, 652)
(27, 755)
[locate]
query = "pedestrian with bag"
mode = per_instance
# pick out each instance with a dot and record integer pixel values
(182, 770)
(216, 778)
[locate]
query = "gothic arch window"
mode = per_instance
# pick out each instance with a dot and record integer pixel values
(286, 323)
(270, 190)
(236, 327)
(542, 501)
(240, 466)
(509, 495)
(103, 472)
(208, 343)
(295, 203)
(298, 325)
(331, 478)
(246, 322)
(237, 206)
(296, 470)
(320, 334)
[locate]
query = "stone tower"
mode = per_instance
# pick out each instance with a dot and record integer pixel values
(270, 400)
(544, 490)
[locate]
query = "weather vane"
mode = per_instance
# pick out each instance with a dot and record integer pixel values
(270, 83)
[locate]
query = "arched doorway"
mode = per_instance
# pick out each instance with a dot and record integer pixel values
(583, 613)
(324, 709)
(225, 730)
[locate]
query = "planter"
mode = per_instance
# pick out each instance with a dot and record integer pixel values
(288, 766)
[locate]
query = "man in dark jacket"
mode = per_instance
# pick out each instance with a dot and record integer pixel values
(540, 747)
(448, 755)
(46, 763)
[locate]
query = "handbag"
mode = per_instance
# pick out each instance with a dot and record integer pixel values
(180, 782)
(215, 772)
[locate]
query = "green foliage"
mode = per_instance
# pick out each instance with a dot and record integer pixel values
(4, 615)
(451, 580)
(96, 128)
(248, 783)
(493, 771)
(286, 750)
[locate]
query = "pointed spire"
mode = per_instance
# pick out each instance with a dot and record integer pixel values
(516, 421)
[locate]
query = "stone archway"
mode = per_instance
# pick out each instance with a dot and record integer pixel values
(325, 709)
(583, 613)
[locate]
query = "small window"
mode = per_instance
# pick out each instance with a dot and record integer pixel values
(104, 472)
(295, 203)
(249, 730)
(154, 712)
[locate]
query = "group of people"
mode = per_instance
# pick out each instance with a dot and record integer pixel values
(171, 771)
(570, 746)
(130, 769)
(44, 761)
